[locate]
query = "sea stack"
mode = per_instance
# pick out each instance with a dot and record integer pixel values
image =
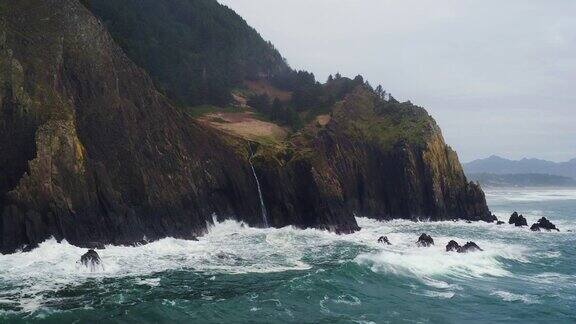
(543, 224)
(517, 220)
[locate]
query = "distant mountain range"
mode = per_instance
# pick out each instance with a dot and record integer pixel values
(521, 180)
(501, 166)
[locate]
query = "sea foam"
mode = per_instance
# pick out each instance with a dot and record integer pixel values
(511, 297)
(404, 257)
(229, 247)
(233, 248)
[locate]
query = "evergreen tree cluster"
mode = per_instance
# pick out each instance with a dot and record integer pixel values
(196, 51)
(309, 97)
(276, 111)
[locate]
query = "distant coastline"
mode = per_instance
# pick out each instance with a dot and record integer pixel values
(501, 166)
(521, 180)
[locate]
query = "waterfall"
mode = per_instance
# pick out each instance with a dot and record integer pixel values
(262, 205)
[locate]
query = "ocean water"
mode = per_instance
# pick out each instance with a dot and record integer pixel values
(239, 274)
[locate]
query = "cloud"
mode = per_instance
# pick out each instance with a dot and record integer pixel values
(504, 67)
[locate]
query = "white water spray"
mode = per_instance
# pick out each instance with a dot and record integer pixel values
(262, 205)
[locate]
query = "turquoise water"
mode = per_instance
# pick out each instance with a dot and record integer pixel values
(240, 274)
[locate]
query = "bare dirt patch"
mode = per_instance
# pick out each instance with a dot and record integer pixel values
(245, 124)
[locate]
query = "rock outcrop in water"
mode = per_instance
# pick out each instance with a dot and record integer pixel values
(453, 246)
(91, 260)
(425, 240)
(92, 152)
(469, 247)
(543, 224)
(517, 220)
(384, 240)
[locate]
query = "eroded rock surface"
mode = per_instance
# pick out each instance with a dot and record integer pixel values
(425, 240)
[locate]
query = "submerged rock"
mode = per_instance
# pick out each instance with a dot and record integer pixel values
(500, 223)
(425, 240)
(545, 224)
(91, 260)
(517, 220)
(384, 240)
(469, 247)
(452, 246)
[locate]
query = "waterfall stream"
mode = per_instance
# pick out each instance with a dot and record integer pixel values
(262, 205)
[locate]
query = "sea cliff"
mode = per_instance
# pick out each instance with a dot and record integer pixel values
(93, 153)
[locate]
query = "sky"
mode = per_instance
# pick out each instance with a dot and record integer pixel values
(498, 76)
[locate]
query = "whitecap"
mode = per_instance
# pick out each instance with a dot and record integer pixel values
(439, 294)
(167, 302)
(348, 300)
(53, 266)
(553, 278)
(440, 284)
(152, 282)
(410, 260)
(511, 297)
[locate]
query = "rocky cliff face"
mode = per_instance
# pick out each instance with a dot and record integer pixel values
(388, 160)
(92, 153)
(394, 163)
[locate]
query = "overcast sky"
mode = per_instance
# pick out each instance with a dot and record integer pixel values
(498, 76)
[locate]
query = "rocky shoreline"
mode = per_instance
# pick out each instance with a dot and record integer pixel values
(92, 152)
